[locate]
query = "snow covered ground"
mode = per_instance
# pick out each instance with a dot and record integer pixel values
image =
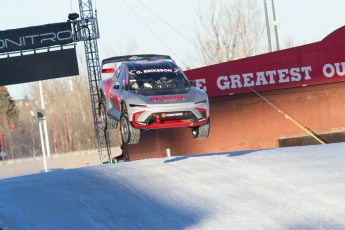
(285, 188)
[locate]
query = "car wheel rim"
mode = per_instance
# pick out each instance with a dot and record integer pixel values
(195, 132)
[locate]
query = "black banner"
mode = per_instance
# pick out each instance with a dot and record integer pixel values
(35, 37)
(41, 66)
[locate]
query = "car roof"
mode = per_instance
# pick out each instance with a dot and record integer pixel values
(139, 62)
(147, 64)
(135, 58)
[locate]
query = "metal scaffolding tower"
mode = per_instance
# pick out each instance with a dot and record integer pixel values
(86, 29)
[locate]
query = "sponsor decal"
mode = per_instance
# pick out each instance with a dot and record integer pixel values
(35, 37)
(176, 70)
(312, 64)
(178, 114)
(168, 98)
(151, 61)
(272, 79)
(157, 71)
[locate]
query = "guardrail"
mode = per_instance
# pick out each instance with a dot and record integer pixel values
(55, 155)
(32, 165)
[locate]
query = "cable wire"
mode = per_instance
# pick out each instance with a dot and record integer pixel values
(287, 116)
(70, 1)
(150, 28)
(167, 23)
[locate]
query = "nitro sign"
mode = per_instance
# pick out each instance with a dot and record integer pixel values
(35, 37)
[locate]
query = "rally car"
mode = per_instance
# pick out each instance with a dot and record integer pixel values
(144, 92)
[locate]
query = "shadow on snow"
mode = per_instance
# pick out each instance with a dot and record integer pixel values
(229, 154)
(87, 199)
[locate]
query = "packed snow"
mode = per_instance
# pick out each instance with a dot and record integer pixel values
(283, 188)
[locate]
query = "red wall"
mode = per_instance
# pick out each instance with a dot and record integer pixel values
(317, 63)
(245, 121)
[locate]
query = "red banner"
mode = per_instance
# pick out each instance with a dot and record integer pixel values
(316, 63)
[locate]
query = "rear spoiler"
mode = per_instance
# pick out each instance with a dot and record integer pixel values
(138, 57)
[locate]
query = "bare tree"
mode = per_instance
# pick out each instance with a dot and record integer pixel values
(68, 114)
(8, 112)
(8, 107)
(289, 42)
(26, 140)
(230, 30)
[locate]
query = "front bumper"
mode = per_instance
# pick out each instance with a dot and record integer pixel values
(148, 118)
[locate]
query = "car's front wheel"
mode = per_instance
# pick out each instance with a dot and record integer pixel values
(202, 131)
(129, 134)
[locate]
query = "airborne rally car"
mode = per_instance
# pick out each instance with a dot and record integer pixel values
(151, 92)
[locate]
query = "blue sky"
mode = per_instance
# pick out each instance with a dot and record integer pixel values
(304, 21)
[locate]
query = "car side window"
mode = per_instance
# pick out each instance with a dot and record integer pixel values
(116, 74)
(121, 78)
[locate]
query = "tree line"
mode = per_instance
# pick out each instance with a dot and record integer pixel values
(67, 112)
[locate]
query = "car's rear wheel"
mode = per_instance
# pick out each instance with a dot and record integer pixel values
(129, 134)
(202, 131)
(103, 115)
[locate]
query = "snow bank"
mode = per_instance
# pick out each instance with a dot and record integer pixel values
(284, 188)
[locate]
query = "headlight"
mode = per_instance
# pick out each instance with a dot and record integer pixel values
(201, 102)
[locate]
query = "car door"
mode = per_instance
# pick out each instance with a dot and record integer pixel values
(115, 94)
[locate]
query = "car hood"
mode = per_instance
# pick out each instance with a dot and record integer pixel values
(178, 95)
(159, 92)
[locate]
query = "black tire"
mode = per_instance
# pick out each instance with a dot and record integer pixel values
(103, 115)
(129, 134)
(202, 131)
(108, 122)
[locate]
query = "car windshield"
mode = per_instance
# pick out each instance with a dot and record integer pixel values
(156, 79)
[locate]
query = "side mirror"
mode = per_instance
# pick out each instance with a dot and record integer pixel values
(116, 86)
